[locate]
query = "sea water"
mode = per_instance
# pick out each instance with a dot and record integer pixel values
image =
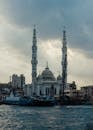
(46, 118)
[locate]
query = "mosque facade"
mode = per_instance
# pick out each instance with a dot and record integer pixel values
(46, 84)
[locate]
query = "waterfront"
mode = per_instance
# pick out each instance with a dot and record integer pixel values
(45, 118)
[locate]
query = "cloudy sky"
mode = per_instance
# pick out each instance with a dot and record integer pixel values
(17, 18)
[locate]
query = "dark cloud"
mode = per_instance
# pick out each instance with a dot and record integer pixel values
(50, 16)
(17, 18)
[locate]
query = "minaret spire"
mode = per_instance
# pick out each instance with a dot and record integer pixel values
(64, 62)
(34, 60)
(47, 64)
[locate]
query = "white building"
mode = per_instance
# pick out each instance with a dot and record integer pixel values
(46, 84)
(27, 90)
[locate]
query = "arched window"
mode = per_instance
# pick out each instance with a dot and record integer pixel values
(47, 91)
(52, 90)
(40, 92)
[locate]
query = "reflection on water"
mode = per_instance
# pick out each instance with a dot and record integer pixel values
(46, 118)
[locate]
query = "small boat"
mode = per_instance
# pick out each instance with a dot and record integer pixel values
(11, 99)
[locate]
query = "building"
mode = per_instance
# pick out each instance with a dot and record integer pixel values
(4, 90)
(87, 91)
(27, 90)
(22, 80)
(71, 90)
(46, 84)
(18, 81)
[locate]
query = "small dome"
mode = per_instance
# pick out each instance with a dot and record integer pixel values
(39, 77)
(47, 74)
(59, 77)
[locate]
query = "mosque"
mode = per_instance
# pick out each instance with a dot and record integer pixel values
(46, 84)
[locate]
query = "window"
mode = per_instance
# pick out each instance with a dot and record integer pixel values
(47, 91)
(55, 91)
(40, 92)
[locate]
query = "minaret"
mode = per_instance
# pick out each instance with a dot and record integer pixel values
(64, 63)
(34, 61)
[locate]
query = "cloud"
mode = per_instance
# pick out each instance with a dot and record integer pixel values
(51, 16)
(17, 18)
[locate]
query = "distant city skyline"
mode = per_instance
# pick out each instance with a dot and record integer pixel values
(17, 19)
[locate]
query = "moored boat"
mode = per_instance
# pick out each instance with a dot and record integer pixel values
(65, 100)
(11, 99)
(26, 101)
(43, 101)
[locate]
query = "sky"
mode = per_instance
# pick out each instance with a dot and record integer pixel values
(17, 19)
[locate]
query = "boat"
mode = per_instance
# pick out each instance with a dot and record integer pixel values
(26, 101)
(66, 100)
(43, 101)
(11, 99)
(36, 101)
(1, 100)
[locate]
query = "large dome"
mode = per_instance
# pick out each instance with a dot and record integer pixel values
(47, 74)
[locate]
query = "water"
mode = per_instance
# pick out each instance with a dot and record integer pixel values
(46, 118)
